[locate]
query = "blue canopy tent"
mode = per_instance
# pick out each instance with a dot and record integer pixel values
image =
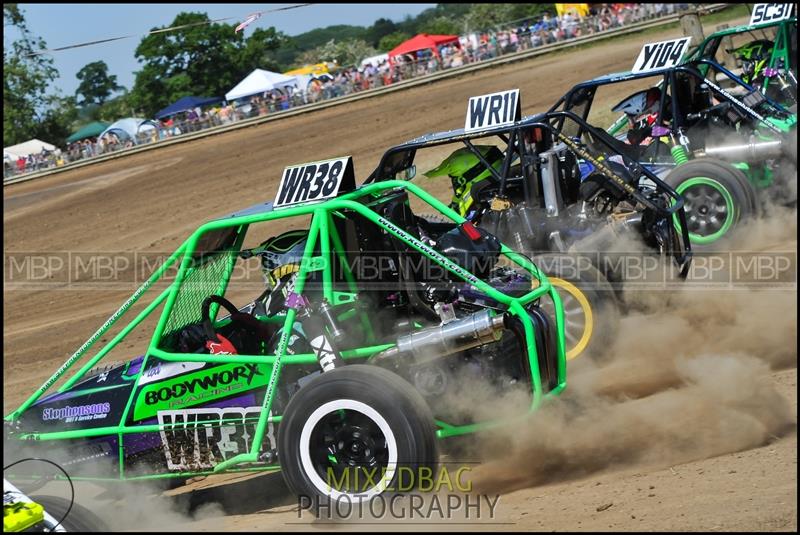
(186, 104)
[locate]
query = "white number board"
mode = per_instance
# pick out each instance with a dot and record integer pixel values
(763, 13)
(661, 55)
(495, 109)
(315, 182)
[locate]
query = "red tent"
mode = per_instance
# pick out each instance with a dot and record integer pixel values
(422, 41)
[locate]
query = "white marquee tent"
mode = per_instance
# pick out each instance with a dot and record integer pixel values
(128, 128)
(32, 146)
(260, 81)
(375, 60)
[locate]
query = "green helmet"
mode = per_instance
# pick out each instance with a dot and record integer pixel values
(464, 170)
(462, 166)
(754, 57)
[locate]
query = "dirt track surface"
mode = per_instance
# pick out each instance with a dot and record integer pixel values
(150, 202)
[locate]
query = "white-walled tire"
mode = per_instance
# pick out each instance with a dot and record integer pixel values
(354, 433)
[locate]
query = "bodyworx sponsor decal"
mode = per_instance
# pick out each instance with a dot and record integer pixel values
(193, 389)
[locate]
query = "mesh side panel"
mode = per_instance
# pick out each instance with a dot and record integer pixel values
(200, 282)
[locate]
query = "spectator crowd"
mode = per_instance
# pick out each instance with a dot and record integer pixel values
(470, 48)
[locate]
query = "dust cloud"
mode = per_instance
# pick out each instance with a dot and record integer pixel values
(114, 505)
(687, 377)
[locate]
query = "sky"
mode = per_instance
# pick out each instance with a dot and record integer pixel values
(67, 24)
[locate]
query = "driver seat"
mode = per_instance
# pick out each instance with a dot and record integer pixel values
(689, 97)
(371, 245)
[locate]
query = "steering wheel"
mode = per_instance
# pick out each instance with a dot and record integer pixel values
(243, 321)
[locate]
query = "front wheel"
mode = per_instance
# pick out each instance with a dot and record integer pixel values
(717, 198)
(72, 516)
(353, 433)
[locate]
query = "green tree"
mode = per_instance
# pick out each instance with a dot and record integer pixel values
(345, 53)
(392, 40)
(26, 78)
(320, 36)
(96, 84)
(59, 120)
(489, 16)
(201, 58)
(116, 108)
(440, 26)
(379, 29)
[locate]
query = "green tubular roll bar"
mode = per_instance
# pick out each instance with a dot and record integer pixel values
(321, 232)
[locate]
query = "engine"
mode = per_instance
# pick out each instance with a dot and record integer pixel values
(456, 363)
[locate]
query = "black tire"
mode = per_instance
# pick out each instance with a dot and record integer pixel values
(79, 518)
(355, 388)
(584, 291)
(724, 179)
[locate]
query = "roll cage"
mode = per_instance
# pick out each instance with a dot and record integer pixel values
(533, 137)
(784, 51)
(680, 109)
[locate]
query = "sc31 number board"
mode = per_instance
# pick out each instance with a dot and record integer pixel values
(763, 13)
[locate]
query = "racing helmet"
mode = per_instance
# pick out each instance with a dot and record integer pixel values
(464, 167)
(281, 256)
(754, 57)
(641, 107)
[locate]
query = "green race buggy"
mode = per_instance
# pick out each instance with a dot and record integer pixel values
(564, 199)
(764, 51)
(370, 321)
(728, 149)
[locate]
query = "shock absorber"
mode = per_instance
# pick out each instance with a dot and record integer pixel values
(678, 149)
(322, 340)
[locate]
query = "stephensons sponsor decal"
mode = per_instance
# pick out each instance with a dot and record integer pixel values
(77, 413)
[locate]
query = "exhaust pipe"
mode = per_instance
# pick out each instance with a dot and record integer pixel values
(755, 150)
(429, 344)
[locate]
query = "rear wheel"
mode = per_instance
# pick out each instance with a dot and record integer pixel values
(717, 197)
(591, 312)
(353, 433)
